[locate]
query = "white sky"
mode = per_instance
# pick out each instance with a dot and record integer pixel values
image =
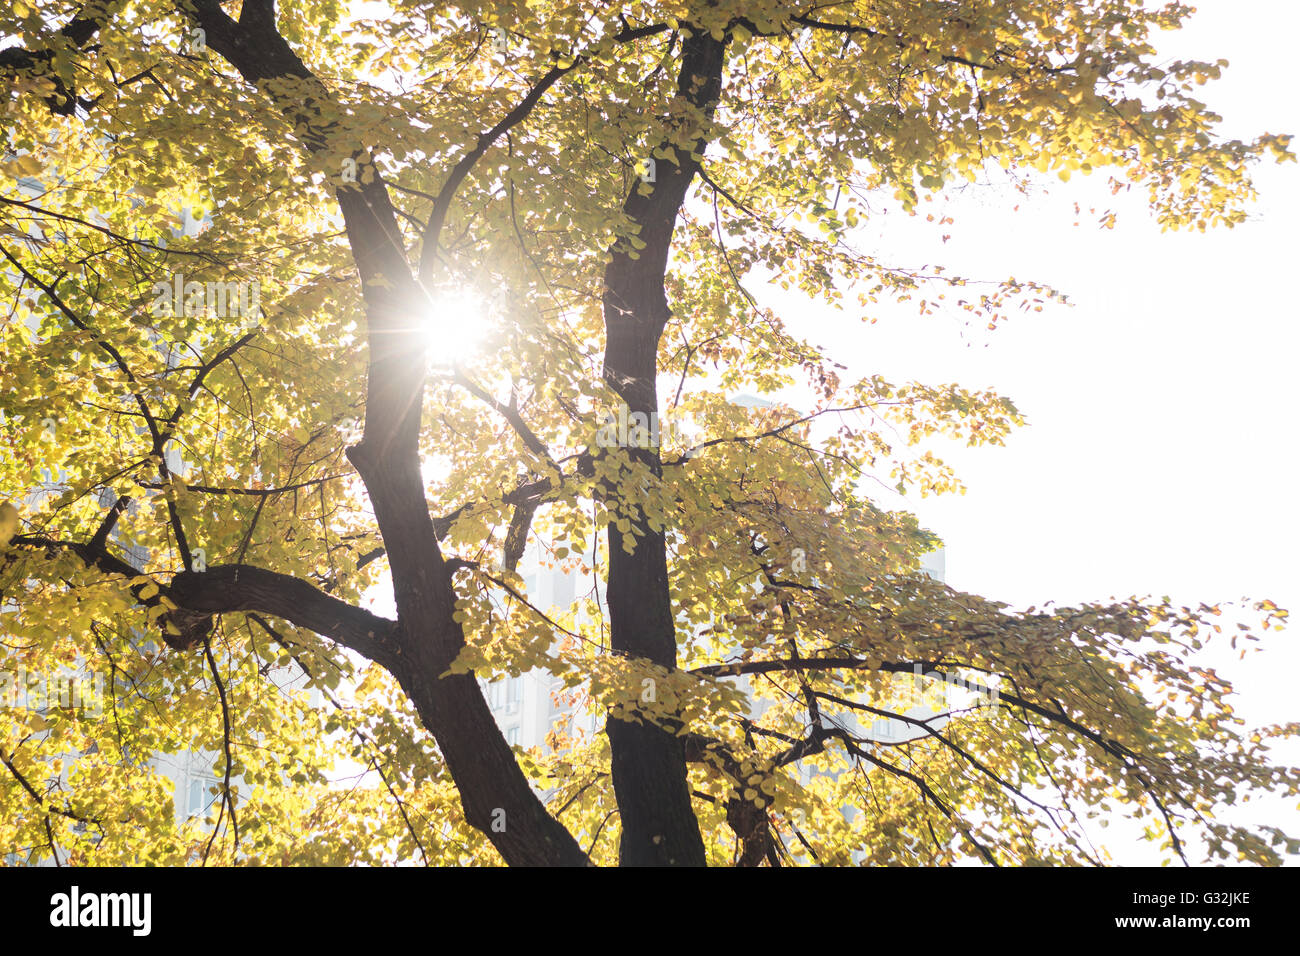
(1160, 452)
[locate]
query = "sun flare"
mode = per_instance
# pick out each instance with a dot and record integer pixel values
(455, 328)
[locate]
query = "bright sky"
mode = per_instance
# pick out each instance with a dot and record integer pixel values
(1161, 406)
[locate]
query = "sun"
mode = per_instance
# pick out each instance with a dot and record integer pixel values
(455, 327)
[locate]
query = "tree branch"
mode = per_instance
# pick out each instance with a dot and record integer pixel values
(240, 587)
(442, 202)
(77, 32)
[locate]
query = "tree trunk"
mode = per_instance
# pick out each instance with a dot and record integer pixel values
(649, 761)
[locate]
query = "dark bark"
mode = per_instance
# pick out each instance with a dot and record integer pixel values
(77, 32)
(494, 792)
(745, 818)
(234, 587)
(659, 827)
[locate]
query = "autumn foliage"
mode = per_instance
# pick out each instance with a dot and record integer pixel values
(208, 500)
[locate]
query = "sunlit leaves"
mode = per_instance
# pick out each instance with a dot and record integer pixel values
(172, 166)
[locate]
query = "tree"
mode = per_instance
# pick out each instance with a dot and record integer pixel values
(272, 413)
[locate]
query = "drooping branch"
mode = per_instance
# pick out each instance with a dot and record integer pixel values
(107, 347)
(252, 492)
(227, 802)
(943, 669)
(130, 242)
(157, 433)
(748, 439)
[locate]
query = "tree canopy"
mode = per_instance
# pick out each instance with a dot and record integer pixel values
(312, 303)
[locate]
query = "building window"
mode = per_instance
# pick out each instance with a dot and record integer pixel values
(503, 696)
(200, 795)
(512, 735)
